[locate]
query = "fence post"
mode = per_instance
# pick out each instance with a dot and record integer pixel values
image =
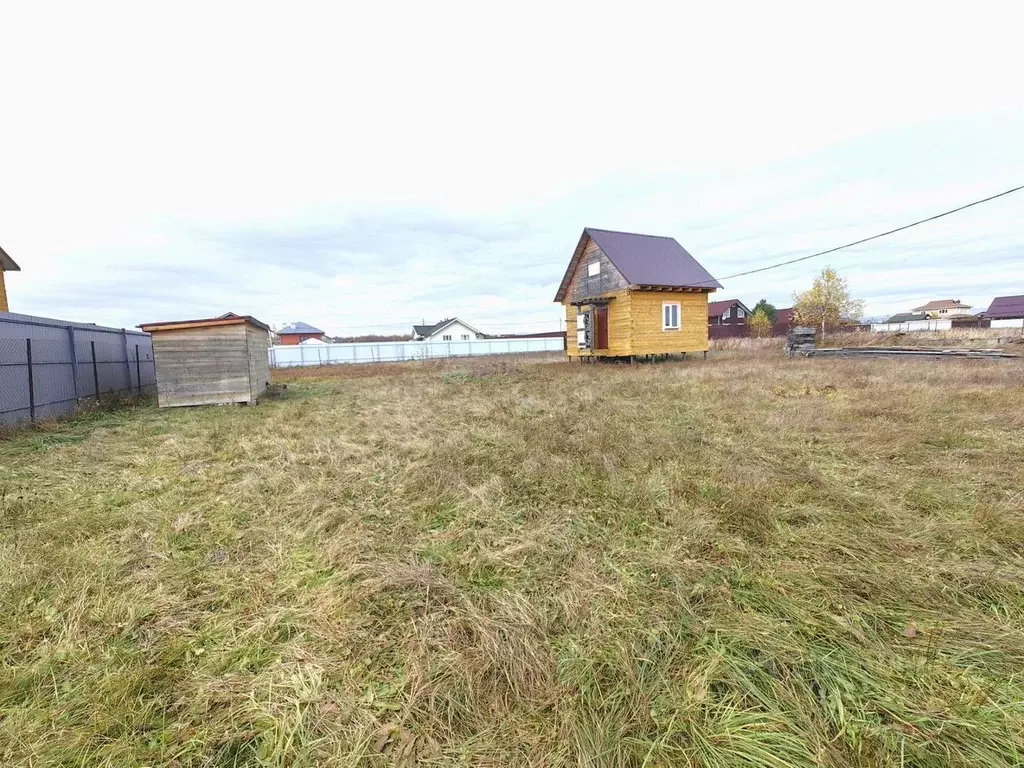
(74, 360)
(31, 383)
(95, 372)
(127, 360)
(138, 372)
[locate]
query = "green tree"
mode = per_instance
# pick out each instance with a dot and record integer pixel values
(769, 309)
(827, 302)
(760, 324)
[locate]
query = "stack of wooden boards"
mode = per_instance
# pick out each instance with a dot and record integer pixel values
(979, 354)
(800, 341)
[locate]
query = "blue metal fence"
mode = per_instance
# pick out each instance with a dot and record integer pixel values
(48, 367)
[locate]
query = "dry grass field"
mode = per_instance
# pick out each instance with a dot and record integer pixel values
(744, 561)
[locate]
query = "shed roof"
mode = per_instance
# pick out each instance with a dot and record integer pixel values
(209, 322)
(1006, 308)
(643, 260)
(7, 264)
(942, 304)
(299, 328)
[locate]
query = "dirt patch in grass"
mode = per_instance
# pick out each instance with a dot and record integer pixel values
(743, 561)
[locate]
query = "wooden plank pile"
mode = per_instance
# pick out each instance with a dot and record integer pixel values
(800, 342)
(977, 354)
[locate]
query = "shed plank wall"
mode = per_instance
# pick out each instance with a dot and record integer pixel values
(648, 335)
(202, 366)
(258, 349)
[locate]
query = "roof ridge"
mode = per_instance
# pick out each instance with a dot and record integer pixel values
(631, 234)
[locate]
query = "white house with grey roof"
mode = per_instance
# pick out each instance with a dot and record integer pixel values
(451, 329)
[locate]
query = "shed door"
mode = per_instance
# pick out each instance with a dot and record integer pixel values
(601, 320)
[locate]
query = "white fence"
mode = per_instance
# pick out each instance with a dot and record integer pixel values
(912, 325)
(1016, 323)
(397, 351)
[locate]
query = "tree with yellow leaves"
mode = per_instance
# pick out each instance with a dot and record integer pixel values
(760, 324)
(827, 302)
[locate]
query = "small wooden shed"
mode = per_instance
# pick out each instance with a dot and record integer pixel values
(214, 361)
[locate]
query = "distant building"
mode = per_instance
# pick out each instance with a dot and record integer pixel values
(628, 294)
(7, 264)
(944, 308)
(786, 317)
(1006, 312)
(728, 312)
(451, 329)
(906, 317)
(296, 333)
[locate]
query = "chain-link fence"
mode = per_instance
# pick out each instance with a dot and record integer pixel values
(48, 367)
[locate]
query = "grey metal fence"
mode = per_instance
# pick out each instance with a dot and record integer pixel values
(48, 367)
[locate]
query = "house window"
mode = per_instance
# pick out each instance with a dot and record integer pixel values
(465, 337)
(446, 337)
(670, 316)
(739, 313)
(594, 268)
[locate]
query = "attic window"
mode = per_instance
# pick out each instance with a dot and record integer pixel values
(593, 268)
(670, 316)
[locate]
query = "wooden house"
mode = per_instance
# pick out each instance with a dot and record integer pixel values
(630, 295)
(215, 361)
(7, 264)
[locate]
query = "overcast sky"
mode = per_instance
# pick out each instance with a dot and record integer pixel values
(364, 166)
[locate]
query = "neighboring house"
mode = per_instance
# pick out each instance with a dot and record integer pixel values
(944, 308)
(906, 317)
(296, 333)
(730, 312)
(786, 317)
(7, 264)
(451, 329)
(1006, 312)
(630, 294)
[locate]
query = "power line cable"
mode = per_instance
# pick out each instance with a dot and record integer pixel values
(868, 239)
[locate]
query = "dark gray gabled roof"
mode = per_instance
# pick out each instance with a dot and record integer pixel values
(8, 264)
(644, 260)
(299, 328)
(426, 330)
(1005, 308)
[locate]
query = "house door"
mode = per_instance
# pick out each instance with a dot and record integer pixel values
(601, 320)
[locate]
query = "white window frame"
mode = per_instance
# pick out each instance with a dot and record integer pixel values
(446, 337)
(465, 337)
(667, 326)
(594, 269)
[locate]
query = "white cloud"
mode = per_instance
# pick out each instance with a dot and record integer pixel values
(378, 164)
